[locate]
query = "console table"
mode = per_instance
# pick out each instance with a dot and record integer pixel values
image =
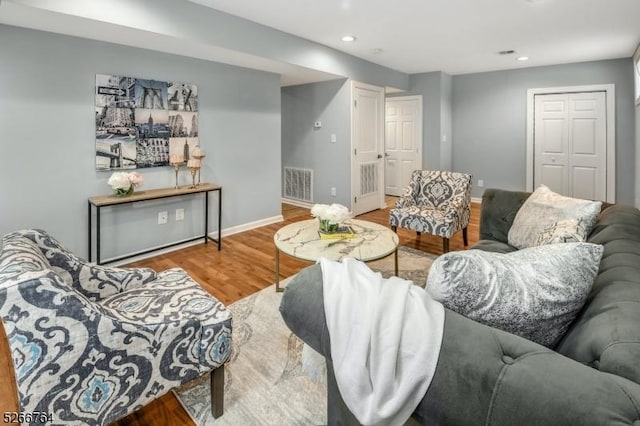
(155, 194)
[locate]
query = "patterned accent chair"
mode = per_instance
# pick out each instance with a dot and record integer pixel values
(436, 203)
(91, 344)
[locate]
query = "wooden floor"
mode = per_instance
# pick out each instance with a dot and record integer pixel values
(245, 265)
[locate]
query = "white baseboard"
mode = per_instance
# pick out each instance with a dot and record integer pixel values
(247, 226)
(476, 200)
(297, 203)
(225, 233)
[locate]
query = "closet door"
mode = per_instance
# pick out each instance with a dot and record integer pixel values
(570, 144)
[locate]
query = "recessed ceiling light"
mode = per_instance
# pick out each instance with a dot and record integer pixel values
(348, 38)
(522, 58)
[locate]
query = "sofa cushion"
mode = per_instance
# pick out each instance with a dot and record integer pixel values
(534, 293)
(494, 246)
(428, 220)
(499, 208)
(606, 335)
(544, 208)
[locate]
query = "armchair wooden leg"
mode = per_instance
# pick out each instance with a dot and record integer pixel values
(464, 236)
(394, 228)
(445, 245)
(418, 233)
(217, 392)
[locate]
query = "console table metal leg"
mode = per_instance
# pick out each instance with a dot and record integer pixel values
(206, 218)
(278, 289)
(89, 216)
(219, 219)
(98, 235)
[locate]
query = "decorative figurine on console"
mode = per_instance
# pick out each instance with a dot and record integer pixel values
(176, 160)
(198, 154)
(194, 167)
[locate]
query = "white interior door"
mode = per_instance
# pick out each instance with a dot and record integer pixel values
(403, 142)
(570, 144)
(368, 147)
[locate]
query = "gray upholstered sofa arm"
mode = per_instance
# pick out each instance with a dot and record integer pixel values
(499, 208)
(484, 376)
(489, 377)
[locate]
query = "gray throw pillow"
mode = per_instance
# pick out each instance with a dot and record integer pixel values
(534, 293)
(542, 209)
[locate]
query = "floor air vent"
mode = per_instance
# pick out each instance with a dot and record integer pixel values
(298, 184)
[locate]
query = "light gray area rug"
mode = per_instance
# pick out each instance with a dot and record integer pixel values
(264, 381)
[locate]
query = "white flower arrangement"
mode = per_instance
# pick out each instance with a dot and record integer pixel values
(334, 213)
(123, 183)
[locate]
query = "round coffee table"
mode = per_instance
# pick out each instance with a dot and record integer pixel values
(302, 241)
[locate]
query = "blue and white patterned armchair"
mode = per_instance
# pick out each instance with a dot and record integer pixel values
(91, 344)
(436, 203)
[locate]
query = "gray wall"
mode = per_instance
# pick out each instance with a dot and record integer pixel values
(489, 121)
(47, 85)
(637, 111)
(306, 147)
(446, 122)
(638, 156)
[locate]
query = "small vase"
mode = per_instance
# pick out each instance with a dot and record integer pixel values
(327, 226)
(121, 192)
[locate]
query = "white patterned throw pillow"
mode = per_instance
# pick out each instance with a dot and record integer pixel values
(563, 231)
(542, 209)
(534, 293)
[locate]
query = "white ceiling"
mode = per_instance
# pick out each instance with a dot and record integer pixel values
(455, 36)
(35, 14)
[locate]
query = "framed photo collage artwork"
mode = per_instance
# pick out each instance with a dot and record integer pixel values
(140, 122)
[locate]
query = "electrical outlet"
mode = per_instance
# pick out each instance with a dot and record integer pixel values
(163, 217)
(333, 191)
(179, 214)
(334, 138)
(480, 183)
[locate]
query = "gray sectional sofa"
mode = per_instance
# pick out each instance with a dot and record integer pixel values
(486, 376)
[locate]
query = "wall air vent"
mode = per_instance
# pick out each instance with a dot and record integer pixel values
(368, 178)
(298, 184)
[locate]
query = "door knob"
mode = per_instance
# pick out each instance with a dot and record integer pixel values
(379, 156)
(386, 154)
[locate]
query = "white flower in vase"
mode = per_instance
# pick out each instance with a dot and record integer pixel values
(330, 216)
(123, 183)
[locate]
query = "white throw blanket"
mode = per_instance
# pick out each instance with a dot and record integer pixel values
(385, 340)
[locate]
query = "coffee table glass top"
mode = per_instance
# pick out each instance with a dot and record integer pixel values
(301, 240)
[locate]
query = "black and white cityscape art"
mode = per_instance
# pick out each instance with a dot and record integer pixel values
(136, 118)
